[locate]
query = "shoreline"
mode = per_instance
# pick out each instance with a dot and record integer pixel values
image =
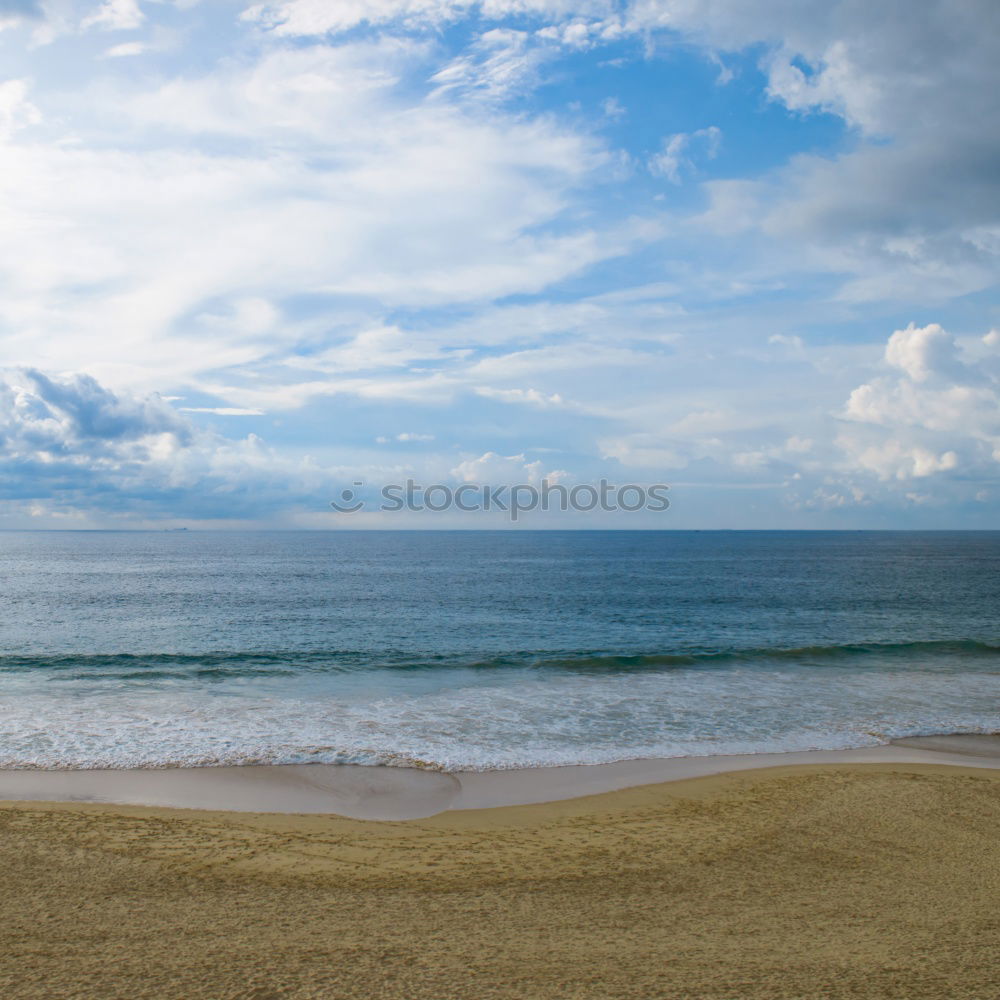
(402, 793)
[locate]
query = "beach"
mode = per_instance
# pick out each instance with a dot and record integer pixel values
(499, 500)
(408, 792)
(806, 880)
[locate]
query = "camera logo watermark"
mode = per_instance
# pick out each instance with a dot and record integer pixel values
(514, 501)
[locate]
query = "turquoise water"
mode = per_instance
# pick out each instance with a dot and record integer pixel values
(488, 649)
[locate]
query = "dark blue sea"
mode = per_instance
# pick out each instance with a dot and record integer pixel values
(488, 649)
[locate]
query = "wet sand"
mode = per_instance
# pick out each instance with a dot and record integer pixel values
(397, 793)
(846, 879)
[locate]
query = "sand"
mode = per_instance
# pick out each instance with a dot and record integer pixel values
(396, 793)
(808, 880)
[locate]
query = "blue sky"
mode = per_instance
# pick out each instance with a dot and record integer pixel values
(253, 252)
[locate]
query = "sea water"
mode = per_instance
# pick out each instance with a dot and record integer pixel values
(488, 649)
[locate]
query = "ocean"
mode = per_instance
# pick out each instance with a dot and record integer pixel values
(477, 650)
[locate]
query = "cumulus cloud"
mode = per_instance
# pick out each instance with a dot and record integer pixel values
(926, 352)
(938, 412)
(70, 443)
(895, 459)
(492, 468)
(343, 209)
(71, 446)
(76, 415)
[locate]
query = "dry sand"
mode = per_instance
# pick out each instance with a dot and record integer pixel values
(846, 880)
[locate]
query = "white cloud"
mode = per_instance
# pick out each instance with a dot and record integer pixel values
(577, 20)
(676, 158)
(115, 15)
(790, 341)
(894, 459)
(924, 352)
(126, 49)
(492, 468)
(42, 416)
(834, 496)
(501, 63)
(529, 397)
(72, 447)
(798, 444)
(319, 17)
(643, 450)
(322, 179)
(909, 216)
(613, 108)
(939, 414)
(330, 200)
(16, 111)
(405, 437)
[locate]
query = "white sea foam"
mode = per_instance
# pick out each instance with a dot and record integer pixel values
(504, 720)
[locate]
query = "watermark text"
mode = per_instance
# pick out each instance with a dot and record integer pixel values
(512, 500)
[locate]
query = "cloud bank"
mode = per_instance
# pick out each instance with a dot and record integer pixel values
(249, 251)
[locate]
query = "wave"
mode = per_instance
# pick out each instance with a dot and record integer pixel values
(223, 665)
(962, 648)
(585, 707)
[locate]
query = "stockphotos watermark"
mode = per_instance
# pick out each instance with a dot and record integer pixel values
(514, 501)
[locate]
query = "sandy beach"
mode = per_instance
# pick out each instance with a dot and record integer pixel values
(842, 879)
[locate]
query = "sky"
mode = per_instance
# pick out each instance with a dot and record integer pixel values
(252, 253)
